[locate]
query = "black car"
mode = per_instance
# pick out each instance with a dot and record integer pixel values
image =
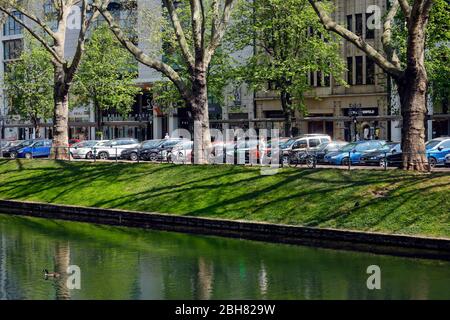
(11, 152)
(136, 153)
(159, 152)
(378, 157)
(395, 160)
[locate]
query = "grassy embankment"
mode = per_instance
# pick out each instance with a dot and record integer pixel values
(369, 200)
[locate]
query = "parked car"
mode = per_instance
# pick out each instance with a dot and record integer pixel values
(437, 149)
(84, 149)
(114, 148)
(182, 152)
(11, 151)
(135, 153)
(327, 147)
(303, 143)
(378, 157)
(352, 152)
(38, 149)
(5, 144)
(447, 160)
(73, 141)
(159, 152)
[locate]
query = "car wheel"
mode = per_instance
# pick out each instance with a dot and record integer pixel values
(153, 157)
(28, 155)
(13, 155)
(383, 163)
(89, 155)
(134, 156)
(103, 155)
(345, 161)
(432, 161)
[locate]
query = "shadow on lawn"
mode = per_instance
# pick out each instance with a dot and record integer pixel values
(241, 191)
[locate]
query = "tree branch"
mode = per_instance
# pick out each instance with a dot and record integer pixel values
(406, 9)
(179, 33)
(35, 35)
(387, 35)
(198, 31)
(370, 51)
(219, 31)
(143, 58)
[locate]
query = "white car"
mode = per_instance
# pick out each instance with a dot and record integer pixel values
(114, 148)
(83, 149)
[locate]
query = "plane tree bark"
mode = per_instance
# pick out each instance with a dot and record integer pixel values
(410, 76)
(197, 53)
(54, 41)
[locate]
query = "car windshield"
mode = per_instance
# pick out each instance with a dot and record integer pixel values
(26, 143)
(431, 144)
(348, 147)
(151, 144)
(322, 146)
(104, 143)
(85, 144)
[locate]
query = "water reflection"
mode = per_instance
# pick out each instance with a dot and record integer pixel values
(120, 263)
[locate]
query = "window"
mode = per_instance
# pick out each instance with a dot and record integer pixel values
(350, 22)
(446, 144)
(370, 32)
(12, 49)
(359, 70)
(370, 71)
(350, 70)
(11, 26)
(319, 79)
(301, 144)
(314, 142)
(311, 79)
(326, 80)
(358, 24)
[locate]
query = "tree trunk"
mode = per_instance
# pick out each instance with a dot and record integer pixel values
(412, 89)
(99, 120)
(412, 92)
(61, 116)
(200, 115)
(287, 111)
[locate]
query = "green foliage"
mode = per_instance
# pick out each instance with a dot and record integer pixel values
(29, 84)
(391, 201)
(437, 55)
(290, 43)
(107, 74)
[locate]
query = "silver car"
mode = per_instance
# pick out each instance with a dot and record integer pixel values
(114, 148)
(84, 149)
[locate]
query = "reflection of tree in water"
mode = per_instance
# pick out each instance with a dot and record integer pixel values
(205, 278)
(62, 262)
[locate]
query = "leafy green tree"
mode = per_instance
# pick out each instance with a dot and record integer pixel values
(197, 41)
(409, 71)
(290, 44)
(29, 85)
(107, 81)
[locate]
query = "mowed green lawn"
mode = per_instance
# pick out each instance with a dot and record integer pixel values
(392, 201)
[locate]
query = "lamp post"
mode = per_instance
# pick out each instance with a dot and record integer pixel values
(353, 112)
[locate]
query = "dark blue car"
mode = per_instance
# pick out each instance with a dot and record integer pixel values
(38, 149)
(353, 152)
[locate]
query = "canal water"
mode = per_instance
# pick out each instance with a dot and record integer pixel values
(126, 263)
